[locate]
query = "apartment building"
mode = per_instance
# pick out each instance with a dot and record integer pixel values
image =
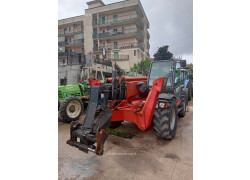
(112, 33)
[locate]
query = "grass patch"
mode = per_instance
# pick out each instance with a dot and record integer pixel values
(119, 133)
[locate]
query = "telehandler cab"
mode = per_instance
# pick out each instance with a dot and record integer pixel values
(159, 98)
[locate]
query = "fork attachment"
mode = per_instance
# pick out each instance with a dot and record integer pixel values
(94, 128)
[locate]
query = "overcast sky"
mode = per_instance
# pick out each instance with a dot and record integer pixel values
(171, 22)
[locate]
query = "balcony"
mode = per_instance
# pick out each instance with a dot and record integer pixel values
(148, 45)
(148, 35)
(71, 58)
(71, 62)
(103, 62)
(123, 33)
(67, 32)
(118, 58)
(126, 19)
(71, 54)
(71, 43)
(119, 47)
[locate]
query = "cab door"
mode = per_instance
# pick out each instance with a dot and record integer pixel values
(177, 81)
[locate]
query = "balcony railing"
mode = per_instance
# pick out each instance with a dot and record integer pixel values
(71, 62)
(118, 58)
(103, 62)
(74, 30)
(148, 44)
(148, 35)
(119, 19)
(122, 33)
(74, 42)
(71, 54)
(120, 46)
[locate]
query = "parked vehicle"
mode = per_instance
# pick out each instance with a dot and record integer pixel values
(159, 98)
(73, 98)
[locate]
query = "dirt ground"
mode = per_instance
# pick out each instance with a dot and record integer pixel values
(143, 157)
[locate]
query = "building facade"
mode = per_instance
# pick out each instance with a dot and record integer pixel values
(116, 32)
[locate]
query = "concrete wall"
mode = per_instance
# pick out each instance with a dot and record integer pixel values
(71, 72)
(88, 34)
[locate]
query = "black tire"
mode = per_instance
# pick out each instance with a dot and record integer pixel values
(189, 93)
(164, 125)
(115, 124)
(192, 89)
(76, 107)
(182, 113)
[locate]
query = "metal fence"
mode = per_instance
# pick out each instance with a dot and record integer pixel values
(76, 41)
(120, 46)
(119, 19)
(103, 62)
(122, 33)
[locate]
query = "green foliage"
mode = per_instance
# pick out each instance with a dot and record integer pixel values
(142, 67)
(119, 133)
(163, 53)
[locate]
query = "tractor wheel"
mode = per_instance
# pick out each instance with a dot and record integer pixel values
(165, 121)
(71, 109)
(192, 89)
(115, 124)
(189, 92)
(182, 113)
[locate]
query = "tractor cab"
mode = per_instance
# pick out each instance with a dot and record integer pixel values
(170, 68)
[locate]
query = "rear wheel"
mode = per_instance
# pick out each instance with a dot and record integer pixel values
(165, 121)
(182, 113)
(189, 93)
(71, 109)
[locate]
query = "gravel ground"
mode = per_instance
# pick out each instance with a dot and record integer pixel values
(143, 157)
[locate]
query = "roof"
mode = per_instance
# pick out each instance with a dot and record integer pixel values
(96, 1)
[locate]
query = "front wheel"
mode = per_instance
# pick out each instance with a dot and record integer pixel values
(71, 109)
(165, 121)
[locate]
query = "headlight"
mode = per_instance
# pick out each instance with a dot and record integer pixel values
(161, 105)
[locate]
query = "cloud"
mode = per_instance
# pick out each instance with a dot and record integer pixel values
(171, 22)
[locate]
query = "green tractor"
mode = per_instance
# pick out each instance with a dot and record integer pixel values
(73, 98)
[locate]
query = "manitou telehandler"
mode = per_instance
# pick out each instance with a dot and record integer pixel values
(159, 98)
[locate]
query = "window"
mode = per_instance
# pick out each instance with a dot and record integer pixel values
(103, 20)
(103, 31)
(63, 82)
(97, 57)
(115, 18)
(134, 52)
(116, 55)
(177, 74)
(103, 45)
(115, 45)
(95, 21)
(160, 69)
(82, 49)
(94, 33)
(115, 30)
(65, 31)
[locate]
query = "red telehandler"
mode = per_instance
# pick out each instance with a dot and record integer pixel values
(159, 98)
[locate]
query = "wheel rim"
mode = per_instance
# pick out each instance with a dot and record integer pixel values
(172, 121)
(74, 108)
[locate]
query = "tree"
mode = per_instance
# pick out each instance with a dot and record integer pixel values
(163, 53)
(142, 67)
